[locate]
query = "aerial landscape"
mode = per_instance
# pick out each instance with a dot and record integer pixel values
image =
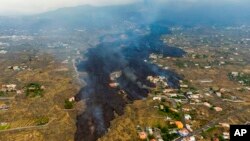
(132, 70)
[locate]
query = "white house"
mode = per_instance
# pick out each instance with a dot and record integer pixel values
(207, 104)
(187, 117)
(157, 98)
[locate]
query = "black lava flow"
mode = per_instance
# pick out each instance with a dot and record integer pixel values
(126, 55)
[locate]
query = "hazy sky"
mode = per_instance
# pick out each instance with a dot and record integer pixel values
(18, 7)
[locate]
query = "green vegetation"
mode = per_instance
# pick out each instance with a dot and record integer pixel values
(4, 127)
(180, 64)
(2, 93)
(184, 64)
(170, 113)
(7, 94)
(166, 135)
(244, 78)
(193, 89)
(68, 104)
(193, 114)
(179, 97)
(242, 90)
(163, 100)
(151, 137)
(180, 91)
(221, 138)
(156, 91)
(211, 129)
(42, 121)
(206, 134)
(200, 56)
(34, 90)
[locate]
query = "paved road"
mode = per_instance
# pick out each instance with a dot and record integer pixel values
(7, 98)
(23, 128)
(216, 121)
(27, 127)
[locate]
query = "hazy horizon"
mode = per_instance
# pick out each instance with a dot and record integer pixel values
(31, 7)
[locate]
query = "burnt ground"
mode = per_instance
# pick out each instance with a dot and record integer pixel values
(127, 55)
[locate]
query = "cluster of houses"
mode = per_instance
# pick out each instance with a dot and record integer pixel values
(144, 133)
(18, 68)
(153, 59)
(10, 88)
(158, 79)
(113, 77)
(217, 109)
(244, 80)
(194, 98)
(58, 45)
(183, 85)
(235, 74)
(155, 56)
(197, 98)
(6, 89)
(183, 130)
(65, 61)
(17, 37)
(225, 135)
(4, 107)
(172, 95)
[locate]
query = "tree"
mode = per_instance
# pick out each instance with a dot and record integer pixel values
(68, 104)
